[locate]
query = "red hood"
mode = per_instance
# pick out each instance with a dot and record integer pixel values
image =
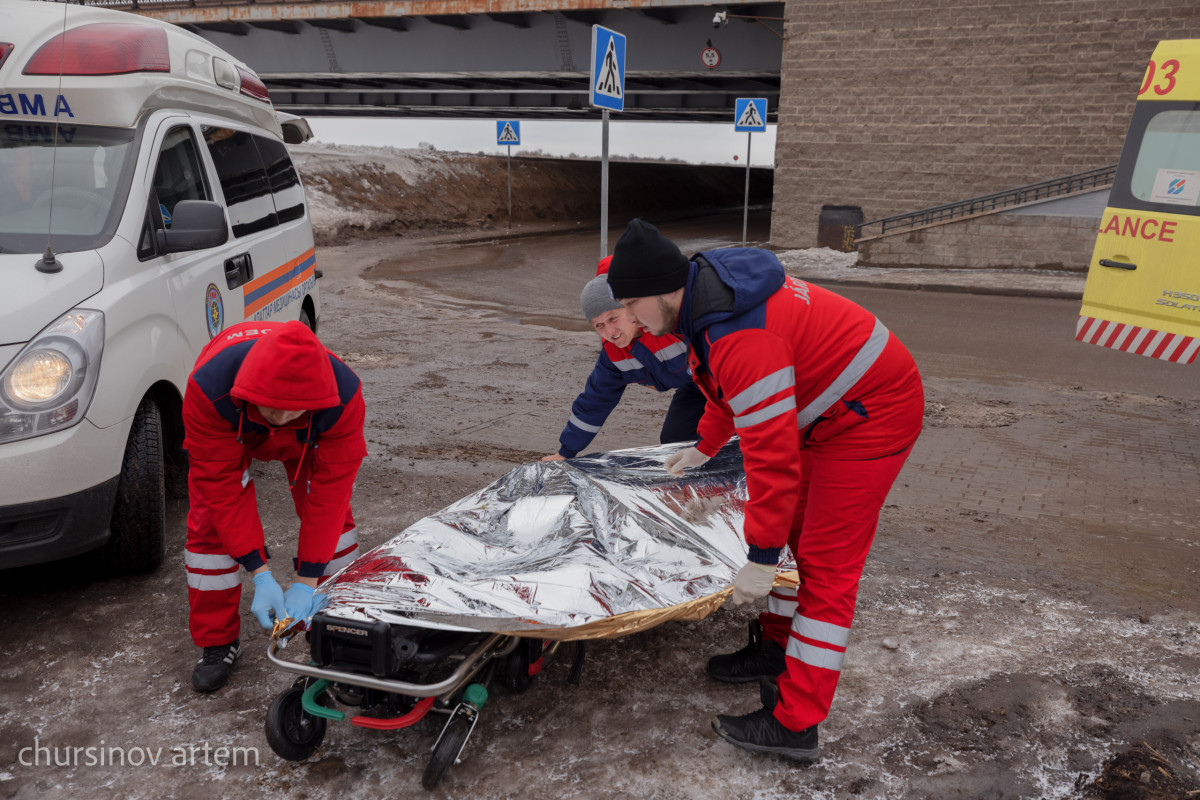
(602, 267)
(289, 369)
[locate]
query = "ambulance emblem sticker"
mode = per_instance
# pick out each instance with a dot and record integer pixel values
(214, 310)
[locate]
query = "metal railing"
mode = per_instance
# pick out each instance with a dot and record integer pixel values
(1057, 187)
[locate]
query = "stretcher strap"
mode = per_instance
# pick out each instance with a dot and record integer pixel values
(416, 715)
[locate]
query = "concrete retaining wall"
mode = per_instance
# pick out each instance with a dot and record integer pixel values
(1000, 241)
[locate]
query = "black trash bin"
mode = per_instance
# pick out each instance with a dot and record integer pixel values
(836, 227)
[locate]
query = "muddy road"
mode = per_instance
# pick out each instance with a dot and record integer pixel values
(1027, 623)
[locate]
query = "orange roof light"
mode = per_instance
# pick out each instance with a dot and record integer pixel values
(103, 48)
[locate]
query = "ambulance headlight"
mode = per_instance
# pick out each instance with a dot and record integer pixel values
(49, 385)
(39, 377)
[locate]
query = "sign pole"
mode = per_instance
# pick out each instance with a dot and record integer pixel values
(608, 94)
(604, 185)
(508, 133)
(746, 204)
(749, 115)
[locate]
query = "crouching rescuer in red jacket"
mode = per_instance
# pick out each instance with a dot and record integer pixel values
(267, 392)
(827, 405)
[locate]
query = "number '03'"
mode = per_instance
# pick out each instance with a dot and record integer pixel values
(1166, 80)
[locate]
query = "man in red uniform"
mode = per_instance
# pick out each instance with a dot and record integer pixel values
(827, 404)
(271, 392)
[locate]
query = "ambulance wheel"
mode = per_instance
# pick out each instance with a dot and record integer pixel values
(292, 732)
(447, 750)
(139, 518)
(307, 319)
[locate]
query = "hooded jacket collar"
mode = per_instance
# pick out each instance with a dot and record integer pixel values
(723, 284)
(288, 368)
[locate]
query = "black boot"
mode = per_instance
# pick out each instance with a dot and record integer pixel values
(761, 658)
(760, 732)
(212, 671)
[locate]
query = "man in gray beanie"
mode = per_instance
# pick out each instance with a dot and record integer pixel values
(628, 355)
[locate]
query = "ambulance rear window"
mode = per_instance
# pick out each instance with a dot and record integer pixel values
(1160, 166)
(66, 191)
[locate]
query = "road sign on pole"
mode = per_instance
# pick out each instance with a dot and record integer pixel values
(749, 115)
(508, 131)
(607, 93)
(608, 69)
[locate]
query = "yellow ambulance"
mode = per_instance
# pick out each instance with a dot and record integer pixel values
(1143, 286)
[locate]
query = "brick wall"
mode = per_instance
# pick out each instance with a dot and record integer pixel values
(998, 241)
(896, 105)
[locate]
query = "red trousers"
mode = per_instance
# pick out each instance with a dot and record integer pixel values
(831, 535)
(214, 582)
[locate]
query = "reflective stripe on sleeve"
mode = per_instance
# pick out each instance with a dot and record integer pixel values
(347, 539)
(763, 388)
(815, 656)
(583, 426)
(246, 478)
(819, 631)
(213, 583)
(212, 561)
(852, 374)
(784, 406)
(667, 353)
(627, 364)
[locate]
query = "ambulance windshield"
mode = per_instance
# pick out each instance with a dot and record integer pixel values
(81, 177)
(1167, 169)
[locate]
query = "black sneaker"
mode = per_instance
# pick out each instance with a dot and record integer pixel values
(761, 658)
(212, 671)
(760, 732)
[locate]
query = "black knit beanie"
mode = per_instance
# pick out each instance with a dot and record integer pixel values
(645, 263)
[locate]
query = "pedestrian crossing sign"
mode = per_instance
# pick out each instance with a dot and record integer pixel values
(750, 114)
(508, 131)
(608, 69)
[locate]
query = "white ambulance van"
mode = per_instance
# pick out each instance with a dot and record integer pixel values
(147, 201)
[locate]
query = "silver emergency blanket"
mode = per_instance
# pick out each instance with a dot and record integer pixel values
(596, 546)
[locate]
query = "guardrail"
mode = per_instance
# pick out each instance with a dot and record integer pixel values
(1092, 179)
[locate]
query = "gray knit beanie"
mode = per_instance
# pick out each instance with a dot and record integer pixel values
(596, 299)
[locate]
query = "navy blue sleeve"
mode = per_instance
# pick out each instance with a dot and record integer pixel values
(591, 408)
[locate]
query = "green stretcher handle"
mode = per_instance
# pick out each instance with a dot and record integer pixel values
(309, 702)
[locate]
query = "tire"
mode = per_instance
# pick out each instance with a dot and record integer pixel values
(293, 733)
(308, 320)
(137, 530)
(447, 750)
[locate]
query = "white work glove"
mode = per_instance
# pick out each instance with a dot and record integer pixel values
(685, 459)
(753, 581)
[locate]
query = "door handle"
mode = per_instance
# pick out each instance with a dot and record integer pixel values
(238, 270)
(1108, 262)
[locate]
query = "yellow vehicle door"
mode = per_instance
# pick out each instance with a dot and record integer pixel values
(1143, 287)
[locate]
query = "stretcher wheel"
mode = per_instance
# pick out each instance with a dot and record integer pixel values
(446, 751)
(293, 733)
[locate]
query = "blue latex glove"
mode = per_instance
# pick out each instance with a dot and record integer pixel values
(299, 601)
(268, 602)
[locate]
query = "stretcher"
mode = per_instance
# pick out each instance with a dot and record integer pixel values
(477, 597)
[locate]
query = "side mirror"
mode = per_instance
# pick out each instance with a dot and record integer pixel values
(195, 225)
(296, 130)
